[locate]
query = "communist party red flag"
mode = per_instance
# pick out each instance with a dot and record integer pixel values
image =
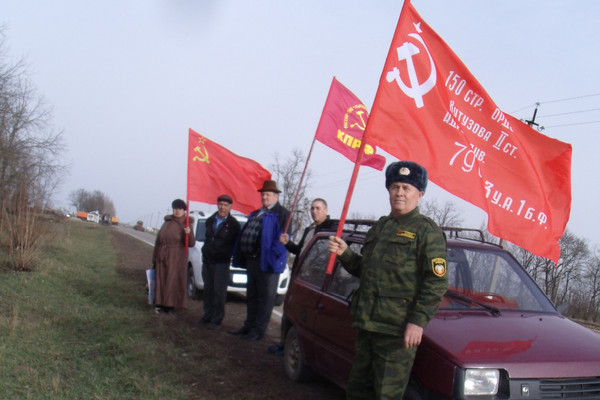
(342, 126)
(430, 109)
(213, 170)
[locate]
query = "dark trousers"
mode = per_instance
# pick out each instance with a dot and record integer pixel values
(216, 277)
(260, 296)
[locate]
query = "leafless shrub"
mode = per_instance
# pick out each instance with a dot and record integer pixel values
(30, 167)
(287, 173)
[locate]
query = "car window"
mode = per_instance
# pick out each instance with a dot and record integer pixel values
(343, 284)
(493, 278)
(313, 266)
(200, 231)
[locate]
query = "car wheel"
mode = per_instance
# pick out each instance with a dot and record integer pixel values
(279, 299)
(192, 291)
(293, 358)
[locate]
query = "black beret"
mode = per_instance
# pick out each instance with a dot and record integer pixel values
(178, 204)
(226, 198)
(407, 172)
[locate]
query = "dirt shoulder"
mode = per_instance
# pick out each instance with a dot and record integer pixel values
(227, 367)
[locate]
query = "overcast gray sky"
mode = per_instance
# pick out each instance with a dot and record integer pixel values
(128, 78)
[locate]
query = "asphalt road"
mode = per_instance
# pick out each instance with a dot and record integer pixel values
(146, 237)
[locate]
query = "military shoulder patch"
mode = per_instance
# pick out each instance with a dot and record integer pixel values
(438, 265)
(407, 234)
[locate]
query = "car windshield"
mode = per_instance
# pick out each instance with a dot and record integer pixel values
(479, 278)
(490, 280)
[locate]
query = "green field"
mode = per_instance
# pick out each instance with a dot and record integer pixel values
(77, 328)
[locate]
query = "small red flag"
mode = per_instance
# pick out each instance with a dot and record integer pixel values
(430, 109)
(213, 170)
(342, 126)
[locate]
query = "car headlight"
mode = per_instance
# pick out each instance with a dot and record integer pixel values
(480, 382)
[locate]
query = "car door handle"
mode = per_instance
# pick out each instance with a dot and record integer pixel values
(320, 306)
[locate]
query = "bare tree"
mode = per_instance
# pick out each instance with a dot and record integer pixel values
(360, 215)
(287, 173)
(567, 282)
(86, 201)
(443, 215)
(30, 166)
(557, 278)
(592, 288)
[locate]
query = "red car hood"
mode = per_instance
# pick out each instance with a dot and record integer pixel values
(526, 345)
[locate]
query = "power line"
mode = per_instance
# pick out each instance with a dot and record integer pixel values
(524, 108)
(555, 101)
(571, 112)
(570, 98)
(577, 123)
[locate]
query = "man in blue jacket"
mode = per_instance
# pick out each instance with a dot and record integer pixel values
(264, 257)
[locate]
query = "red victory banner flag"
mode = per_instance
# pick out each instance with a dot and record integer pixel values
(430, 109)
(213, 170)
(342, 126)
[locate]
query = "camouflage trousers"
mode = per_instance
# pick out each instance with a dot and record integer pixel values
(381, 367)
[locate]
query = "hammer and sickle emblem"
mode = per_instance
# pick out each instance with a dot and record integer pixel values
(203, 153)
(360, 124)
(416, 90)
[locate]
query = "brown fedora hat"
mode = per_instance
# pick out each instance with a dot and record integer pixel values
(269, 186)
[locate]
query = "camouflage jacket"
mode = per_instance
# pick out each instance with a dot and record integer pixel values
(402, 273)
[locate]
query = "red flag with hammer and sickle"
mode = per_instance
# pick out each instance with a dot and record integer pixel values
(342, 125)
(430, 109)
(213, 170)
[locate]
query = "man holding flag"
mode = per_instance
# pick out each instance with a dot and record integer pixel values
(402, 273)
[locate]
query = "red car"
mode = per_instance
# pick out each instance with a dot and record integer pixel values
(495, 336)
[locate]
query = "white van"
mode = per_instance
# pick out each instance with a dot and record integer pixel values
(238, 277)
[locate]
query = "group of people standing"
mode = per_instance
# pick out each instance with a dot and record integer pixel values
(255, 247)
(402, 270)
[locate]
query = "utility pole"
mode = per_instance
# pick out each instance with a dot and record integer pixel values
(532, 122)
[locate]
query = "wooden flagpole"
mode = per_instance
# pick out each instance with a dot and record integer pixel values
(340, 228)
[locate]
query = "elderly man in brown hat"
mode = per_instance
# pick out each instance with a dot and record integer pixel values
(264, 257)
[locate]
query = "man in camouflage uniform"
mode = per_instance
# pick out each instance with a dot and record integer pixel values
(402, 273)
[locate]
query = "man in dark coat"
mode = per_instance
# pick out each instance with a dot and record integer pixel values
(221, 233)
(318, 212)
(265, 257)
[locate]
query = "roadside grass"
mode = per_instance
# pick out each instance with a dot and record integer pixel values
(76, 329)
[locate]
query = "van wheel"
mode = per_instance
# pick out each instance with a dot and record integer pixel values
(279, 299)
(192, 291)
(293, 358)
